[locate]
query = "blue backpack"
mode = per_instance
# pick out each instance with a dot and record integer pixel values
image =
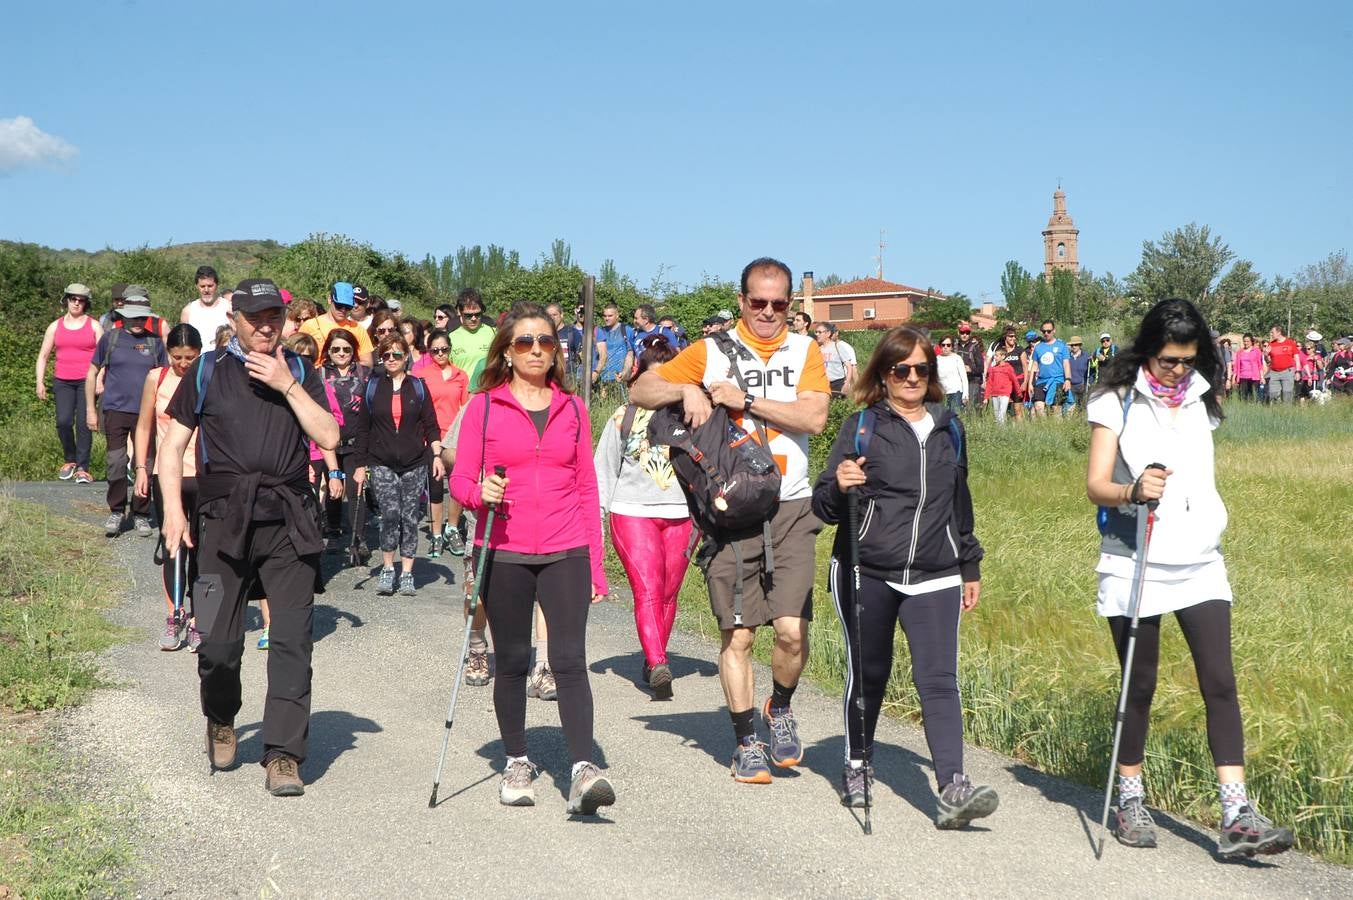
(1118, 530)
(864, 433)
(418, 388)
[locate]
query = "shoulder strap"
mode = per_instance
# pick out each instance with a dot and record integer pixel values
(956, 437)
(484, 437)
(113, 334)
(370, 392)
(626, 426)
(205, 368)
(159, 382)
(864, 431)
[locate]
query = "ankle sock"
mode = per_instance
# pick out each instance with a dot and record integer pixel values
(780, 695)
(512, 759)
(542, 654)
(1130, 787)
(478, 641)
(578, 767)
(744, 726)
(1233, 798)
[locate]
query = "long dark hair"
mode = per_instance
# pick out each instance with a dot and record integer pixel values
(896, 346)
(1172, 321)
(497, 371)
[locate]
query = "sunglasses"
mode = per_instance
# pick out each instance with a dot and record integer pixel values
(439, 315)
(902, 371)
(1174, 362)
(523, 343)
(439, 351)
(389, 330)
(392, 355)
(1076, 345)
(946, 344)
(335, 350)
(471, 315)
(1048, 330)
(759, 304)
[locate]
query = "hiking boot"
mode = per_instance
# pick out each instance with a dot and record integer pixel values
(170, 640)
(590, 789)
(477, 668)
(1134, 826)
(194, 637)
(263, 640)
(406, 588)
(112, 526)
(855, 784)
(541, 684)
(67, 472)
(749, 762)
(660, 681)
(516, 788)
(284, 777)
(961, 801)
(1250, 833)
(785, 748)
(83, 477)
(435, 546)
(455, 544)
(143, 527)
(221, 745)
(385, 584)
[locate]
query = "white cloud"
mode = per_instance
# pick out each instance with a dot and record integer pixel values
(23, 143)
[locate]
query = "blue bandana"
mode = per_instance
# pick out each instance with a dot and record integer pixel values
(234, 348)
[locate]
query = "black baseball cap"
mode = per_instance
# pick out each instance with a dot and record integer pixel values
(359, 292)
(255, 295)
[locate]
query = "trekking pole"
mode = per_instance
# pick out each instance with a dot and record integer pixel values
(501, 472)
(863, 434)
(1146, 520)
(180, 620)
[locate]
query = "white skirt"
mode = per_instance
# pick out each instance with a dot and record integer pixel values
(1166, 588)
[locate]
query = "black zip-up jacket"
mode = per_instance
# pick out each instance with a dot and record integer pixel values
(916, 521)
(379, 444)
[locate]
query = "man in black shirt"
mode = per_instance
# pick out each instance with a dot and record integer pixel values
(255, 519)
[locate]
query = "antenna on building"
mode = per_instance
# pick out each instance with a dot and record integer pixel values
(879, 259)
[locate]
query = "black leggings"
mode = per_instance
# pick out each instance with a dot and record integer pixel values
(188, 494)
(1207, 628)
(930, 622)
(333, 507)
(564, 589)
(72, 428)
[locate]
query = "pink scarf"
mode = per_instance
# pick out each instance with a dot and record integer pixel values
(1170, 396)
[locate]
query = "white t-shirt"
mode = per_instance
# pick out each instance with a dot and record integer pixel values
(206, 319)
(836, 355)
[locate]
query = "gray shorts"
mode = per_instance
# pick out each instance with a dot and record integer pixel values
(789, 589)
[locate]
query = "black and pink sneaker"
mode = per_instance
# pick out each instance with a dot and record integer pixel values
(1250, 833)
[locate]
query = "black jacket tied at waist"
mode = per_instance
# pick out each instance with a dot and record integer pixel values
(241, 494)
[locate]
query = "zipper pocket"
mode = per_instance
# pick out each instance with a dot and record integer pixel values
(950, 535)
(867, 520)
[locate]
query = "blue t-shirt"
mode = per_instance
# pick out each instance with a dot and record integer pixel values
(640, 335)
(617, 341)
(132, 356)
(1080, 368)
(1049, 356)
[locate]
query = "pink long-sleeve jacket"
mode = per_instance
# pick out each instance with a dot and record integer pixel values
(551, 499)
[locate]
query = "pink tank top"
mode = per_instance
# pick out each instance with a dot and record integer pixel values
(164, 392)
(74, 349)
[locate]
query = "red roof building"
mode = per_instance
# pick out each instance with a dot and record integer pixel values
(861, 303)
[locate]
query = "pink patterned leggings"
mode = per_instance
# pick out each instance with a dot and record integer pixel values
(653, 552)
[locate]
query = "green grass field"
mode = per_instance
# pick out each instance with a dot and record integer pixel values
(1038, 675)
(54, 842)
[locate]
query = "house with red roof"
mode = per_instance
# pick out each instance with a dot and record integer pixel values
(861, 303)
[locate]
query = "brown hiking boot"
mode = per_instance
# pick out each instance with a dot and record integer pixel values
(221, 745)
(284, 777)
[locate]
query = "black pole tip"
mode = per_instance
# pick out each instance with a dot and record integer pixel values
(432, 802)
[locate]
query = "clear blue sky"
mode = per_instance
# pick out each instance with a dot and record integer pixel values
(693, 136)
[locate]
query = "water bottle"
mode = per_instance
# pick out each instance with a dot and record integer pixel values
(758, 462)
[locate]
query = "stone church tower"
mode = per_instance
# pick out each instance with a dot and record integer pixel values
(1059, 240)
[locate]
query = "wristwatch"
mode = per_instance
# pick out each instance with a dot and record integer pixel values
(747, 401)
(337, 473)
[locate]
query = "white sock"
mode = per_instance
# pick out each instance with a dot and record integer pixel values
(578, 767)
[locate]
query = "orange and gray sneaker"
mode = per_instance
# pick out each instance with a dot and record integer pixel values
(749, 762)
(786, 750)
(66, 472)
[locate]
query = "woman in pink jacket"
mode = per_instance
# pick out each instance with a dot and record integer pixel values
(546, 539)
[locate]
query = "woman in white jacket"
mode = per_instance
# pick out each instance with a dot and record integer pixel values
(1158, 403)
(650, 523)
(953, 376)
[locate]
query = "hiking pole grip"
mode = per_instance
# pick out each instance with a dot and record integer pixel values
(1152, 504)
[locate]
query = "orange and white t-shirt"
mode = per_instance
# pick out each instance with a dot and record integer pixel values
(783, 367)
(320, 326)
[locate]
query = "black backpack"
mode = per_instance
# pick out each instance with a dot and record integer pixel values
(731, 482)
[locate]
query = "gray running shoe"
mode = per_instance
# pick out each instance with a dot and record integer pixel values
(455, 544)
(1134, 825)
(749, 762)
(385, 584)
(961, 801)
(853, 789)
(112, 526)
(785, 748)
(1250, 833)
(590, 790)
(541, 684)
(435, 546)
(143, 527)
(170, 640)
(477, 668)
(406, 587)
(194, 638)
(516, 788)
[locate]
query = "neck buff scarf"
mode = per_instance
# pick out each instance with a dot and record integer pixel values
(1170, 396)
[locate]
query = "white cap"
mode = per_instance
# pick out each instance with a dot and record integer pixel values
(1106, 335)
(1314, 336)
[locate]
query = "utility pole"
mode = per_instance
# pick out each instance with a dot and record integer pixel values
(879, 259)
(587, 296)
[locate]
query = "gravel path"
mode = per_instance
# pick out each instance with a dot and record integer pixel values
(681, 826)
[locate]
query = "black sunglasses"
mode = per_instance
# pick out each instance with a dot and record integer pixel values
(471, 315)
(523, 343)
(1174, 362)
(759, 304)
(1049, 330)
(391, 354)
(439, 351)
(902, 371)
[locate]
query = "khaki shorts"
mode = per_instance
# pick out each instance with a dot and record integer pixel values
(789, 590)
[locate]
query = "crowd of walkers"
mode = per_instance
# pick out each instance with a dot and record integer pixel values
(262, 426)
